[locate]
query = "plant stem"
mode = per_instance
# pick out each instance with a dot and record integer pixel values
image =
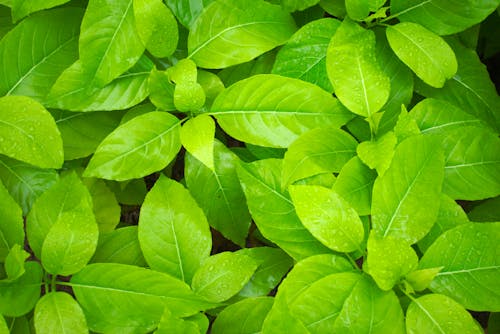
(353, 262)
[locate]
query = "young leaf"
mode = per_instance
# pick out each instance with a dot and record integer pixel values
(184, 71)
(378, 154)
(412, 182)
(212, 85)
(189, 97)
(105, 206)
(171, 324)
(21, 8)
(144, 145)
(187, 11)
(58, 312)
(270, 110)
(161, 90)
(119, 246)
(328, 217)
(28, 132)
(223, 275)
(197, 137)
(173, 232)
(360, 9)
(249, 28)
(427, 54)
(11, 223)
(354, 71)
(468, 255)
(421, 279)
(14, 263)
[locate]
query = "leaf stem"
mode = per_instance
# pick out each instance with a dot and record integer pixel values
(353, 262)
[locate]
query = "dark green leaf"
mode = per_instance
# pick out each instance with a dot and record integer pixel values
(244, 317)
(119, 246)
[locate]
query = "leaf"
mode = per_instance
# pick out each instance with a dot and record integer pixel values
(468, 255)
(173, 232)
(11, 223)
(427, 54)
(223, 275)
(304, 55)
(413, 181)
(156, 26)
(211, 84)
(14, 263)
(21, 8)
(123, 298)
(249, 28)
(145, 144)
(38, 49)
(170, 324)
(187, 11)
(161, 90)
(228, 213)
(28, 132)
(58, 312)
(109, 43)
(441, 16)
(321, 150)
(486, 211)
(354, 71)
(272, 209)
(296, 5)
(377, 154)
(328, 217)
(119, 246)
(435, 313)
(106, 209)
(405, 126)
(131, 192)
(244, 317)
(420, 279)
(3, 326)
(270, 110)
(261, 65)
(189, 97)
(360, 9)
(280, 321)
(185, 71)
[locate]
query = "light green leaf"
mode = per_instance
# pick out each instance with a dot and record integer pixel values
(126, 299)
(106, 208)
(173, 231)
(14, 263)
(354, 71)
(109, 43)
(161, 90)
(22, 8)
(334, 7)
(3, 326)
(420, 279)
(11, 223)
(280, 320)
(304, 55)
(413, 181)
(156, 26)
(144, 145)
(170, 324)
(228, 214)
(360, 9)
(325, 180)
(427, 54)
(185, 71)
(189, 97)
(270, 110)
(328, 217)
(405, 126)
(28, 132)
(38, 50)
(272, 209)
(223, 275)
(119, 246)
(321, 150)
(58, 312)
(438, 314)
(187, 11)
(296, 5)
(378, 154)
(243, 317)
(249, 28)
(469, 256)
(261, 65)
(212, 85)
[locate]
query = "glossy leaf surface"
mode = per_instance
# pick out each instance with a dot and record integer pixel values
(244, 317)
(11, 224)
(58, 312)
(197, 137)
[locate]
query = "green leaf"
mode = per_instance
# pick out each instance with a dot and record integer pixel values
(161, 90)
(170, 324)
(427, 54)
(378, 154)
(487, 211)
(58, 312)
(14, 263)
(270, 110)
(405, 126)
(109, 43)
(11, 223)
(249, 28)
(321, 150)
(184, 71)
(21, 8)
(295, 5)
(127, 299)
(468, 255)
(354, 71)
(260, 65)
(38, 49)
(106, 208)
(21, 325)
(3, 326)
(145, 144)
(212, 85)
(439, 314)
(173, 231)
(413, 181)
(360, 9)
(280, 321)
(223, 275)
(389, 260)
(28, 132)
(228, 213)
(304, 55)
(442, 16)
(131, 192)
(17, 298)
(189, 96)
(119, 246)
(421, 279)
(335, 8)
(272, 209)
(354, 184)
(187, 11)
(156, 26)
(243, 317)
(328, 217)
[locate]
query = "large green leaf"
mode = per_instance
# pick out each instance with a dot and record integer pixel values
(29, 133)
(173, 231)
(304, 55)
(119, 246)
(270, 110)
(58, 312)
(109, 43)
(228, 214)
(38, 50)
(127, 299)
(273, 211)
(144, 145)
(412, 182)
(354, 71)
(11, 224)
(249, 28)
(427, 54)
(469, 256)
(442, 16)
(187, 11)
(244, 317)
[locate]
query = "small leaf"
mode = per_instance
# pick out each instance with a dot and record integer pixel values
(244, 317)
(189, 96)
(14, 263)
(187, 11)
(161, 90)
(405, 126)
(378, 154)
(197, 136)
(184, 71)
(106, 209)
(58, 312)
(170, 324)
(421, 279)
(119, 246)
(11, 223)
